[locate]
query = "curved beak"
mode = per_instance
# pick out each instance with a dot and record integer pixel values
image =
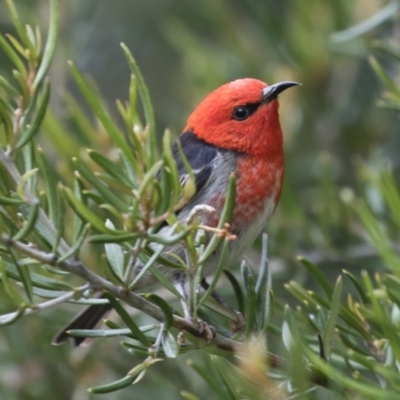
(271, 92)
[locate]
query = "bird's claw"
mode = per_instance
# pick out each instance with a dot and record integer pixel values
(206, 331)
(240, 324)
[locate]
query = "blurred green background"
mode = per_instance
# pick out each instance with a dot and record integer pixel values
(186, 49)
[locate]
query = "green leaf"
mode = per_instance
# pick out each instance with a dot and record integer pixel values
(17, 45)
(164, 306)
(188, 396)
(59, 222)
(369, 390)
(13, 56)
(390, 190)
(149, 177)
(115, 255)
(40, 281)
(217, 274)
(101, 113)
(30, 130)
(210, 377)
(230, 379)
(170, 176)
(383, 76)
(24, 276)
(50, 46)
(112, 168)
(357, 285)
(13, 317)
(237, 289)
(19, 27)
(81, 118)
(105, 192)
(263, 286)
(169, 345)
(50, 180)
(113, 238)
(84, 211)
(250, 299)
(60, 138)
(138, 334)
(147, 105)
(77, 244)
(367, 25)
(380, 317)
(333, 315)
(25, 178)
(133, 89)
(136, 278)
(318, 275)
(10, 89)
(114, 386)
(10, 201)
(170, 239)
(10, 290)
(288, 329)
(377, 235)
(29, 224)
(5, 121)
(99, 333)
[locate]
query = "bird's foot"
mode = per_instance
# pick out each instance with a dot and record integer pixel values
(240, 324)
(205, 331)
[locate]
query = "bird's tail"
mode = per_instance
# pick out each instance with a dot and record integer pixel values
(88, 318)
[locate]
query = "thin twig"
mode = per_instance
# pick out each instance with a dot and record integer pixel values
(98, 283)
(5, 318)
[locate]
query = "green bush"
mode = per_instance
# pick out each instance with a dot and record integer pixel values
(69, 217)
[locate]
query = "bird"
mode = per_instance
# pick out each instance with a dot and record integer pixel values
(234, 130)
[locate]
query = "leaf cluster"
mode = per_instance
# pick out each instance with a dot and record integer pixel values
(99, 212)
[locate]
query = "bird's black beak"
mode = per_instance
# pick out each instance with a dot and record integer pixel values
(271, 92)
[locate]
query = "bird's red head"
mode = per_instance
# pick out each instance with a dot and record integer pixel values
(242, 116)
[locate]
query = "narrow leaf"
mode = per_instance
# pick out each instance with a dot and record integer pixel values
(333, 315)
(318, 275)
(169, 345)
(114, 386)
(164, 306)
(115, 255)
(50, 46)
(147, 105)
(101, 113)
(84, 211)
(32, 129)
(127, 319)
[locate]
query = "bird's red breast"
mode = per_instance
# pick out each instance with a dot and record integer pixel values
(259, 181)
(259, 185)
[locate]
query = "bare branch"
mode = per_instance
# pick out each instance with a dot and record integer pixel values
(4, 319)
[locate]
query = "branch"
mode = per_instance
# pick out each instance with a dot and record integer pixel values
(98, 283)
(6, 318)
(192, 327)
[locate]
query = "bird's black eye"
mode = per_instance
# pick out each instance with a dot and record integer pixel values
(241, 113)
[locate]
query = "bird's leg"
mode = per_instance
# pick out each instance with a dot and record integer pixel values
(205, 330)
(240, 322)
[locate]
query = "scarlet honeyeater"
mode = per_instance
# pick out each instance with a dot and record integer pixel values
(235, 129)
